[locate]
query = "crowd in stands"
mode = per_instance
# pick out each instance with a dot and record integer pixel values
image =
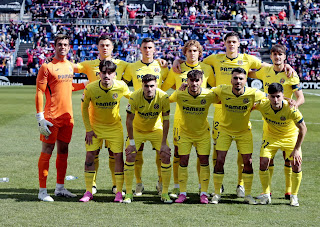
(206, 21)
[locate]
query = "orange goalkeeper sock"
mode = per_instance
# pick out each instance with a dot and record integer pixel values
(61, 165)
(43, 167)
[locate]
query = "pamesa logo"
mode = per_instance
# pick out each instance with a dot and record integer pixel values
(4, 81)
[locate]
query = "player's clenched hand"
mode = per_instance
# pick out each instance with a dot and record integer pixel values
(176, 66)
(183, 87)
(296, 157)
(43, 124)
(164, 148)
(163, 63)
(89, 136)
(292, 103)
(289, 70)
(131, 149)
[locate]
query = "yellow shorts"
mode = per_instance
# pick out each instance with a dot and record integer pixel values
(243, 141)
(113, 137)
(154, 137)
(216, 121)
(271, 145)
(203, 144)
(176, 133)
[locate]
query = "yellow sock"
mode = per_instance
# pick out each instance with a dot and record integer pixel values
(119, 181)
(96, 167)
(247, 181)
(175, 165)
(166, 176)
(183, 178)
(112, 164)
(265, 181)
(158, 163)
(204, 177)
(288, 175)
(271, 168)
(217, 181)
(240, 169)
(88, 177)
(128, 176)
(138, 167)
(296, 180)
(198, 170)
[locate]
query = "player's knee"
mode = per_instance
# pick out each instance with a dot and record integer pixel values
(118, 156)
(141, 147)
(264, 163)
(204, 159)
(47, 148)
(184, 160)
(176, 154)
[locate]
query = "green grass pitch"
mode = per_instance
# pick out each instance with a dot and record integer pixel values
(20, 149)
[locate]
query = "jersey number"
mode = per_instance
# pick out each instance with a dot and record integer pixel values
(266, 143)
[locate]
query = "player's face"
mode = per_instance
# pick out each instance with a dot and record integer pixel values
(232, 44)
(62, 47)
(147, 50)
(194, 84)
(105, 48)
(192, 54)
(107, 79)
(276, 100)
(277, 58)
(149, 89)
(238, 81)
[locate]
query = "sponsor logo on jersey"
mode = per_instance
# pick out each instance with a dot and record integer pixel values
(282, 81)
(282, 118)
(115, 96)
(195, 109)
(203, 101)
(232, 107)
(246, 100)
(149, 114)
(156, 106)
(141, 76)
(102, 104)
(226, 69)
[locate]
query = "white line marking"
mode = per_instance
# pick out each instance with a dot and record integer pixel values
(309, 93)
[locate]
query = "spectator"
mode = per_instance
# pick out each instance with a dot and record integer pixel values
(282, 15)
(19, 64)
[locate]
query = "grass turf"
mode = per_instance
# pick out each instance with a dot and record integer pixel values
(20, 148)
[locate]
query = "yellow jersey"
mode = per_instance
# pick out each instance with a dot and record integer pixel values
(280, 123)
(236, 109)
(91, 68)
(194, 111)
(148, 112)
(135, 71)
(269, 76)
(104, 106)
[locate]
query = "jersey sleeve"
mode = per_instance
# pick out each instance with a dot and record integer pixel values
(131, 107)
(210, 59)
(85, 100)
(296, 116)
(165, 104)
(295, 83)
(42, 80)
(216, 94)
(255, 63)
(173, 97)
(127, 73)
(169, 81)
(121, 67)
(259, 95)
(126, 91)
(164, 73)
(260, 73)
(82, 67)
(211, 77)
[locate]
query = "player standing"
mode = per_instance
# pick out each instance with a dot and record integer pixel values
(103, 122)
(135, 72)
(276, 74)
(193, 51)
(144, 111)
(55, 80)
(236, 102)
(285, 129)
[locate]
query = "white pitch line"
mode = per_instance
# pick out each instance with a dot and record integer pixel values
(309, 93)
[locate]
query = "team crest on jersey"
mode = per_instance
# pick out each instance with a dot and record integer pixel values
(156, 70)
(203, 101)
(282, 118)
(246, 100)
(156, 106)
(282, 81)
(129, 107)
(115, 96)
(240, 62)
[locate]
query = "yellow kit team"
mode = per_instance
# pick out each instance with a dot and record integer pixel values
(148, 120)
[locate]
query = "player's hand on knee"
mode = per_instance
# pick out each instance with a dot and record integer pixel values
(43, 124)
(89, 136)
(165, 149)
(131, 149)
(183, 86)
(297, 160)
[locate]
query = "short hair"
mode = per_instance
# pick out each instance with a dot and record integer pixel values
(278, 48)
(104, 37)
(148, 77)
(239, 70)
(233, 33)
(107, 66)
(274, 88)
(193, 74)
(147, 40)
(61, 36)
(192, 43)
